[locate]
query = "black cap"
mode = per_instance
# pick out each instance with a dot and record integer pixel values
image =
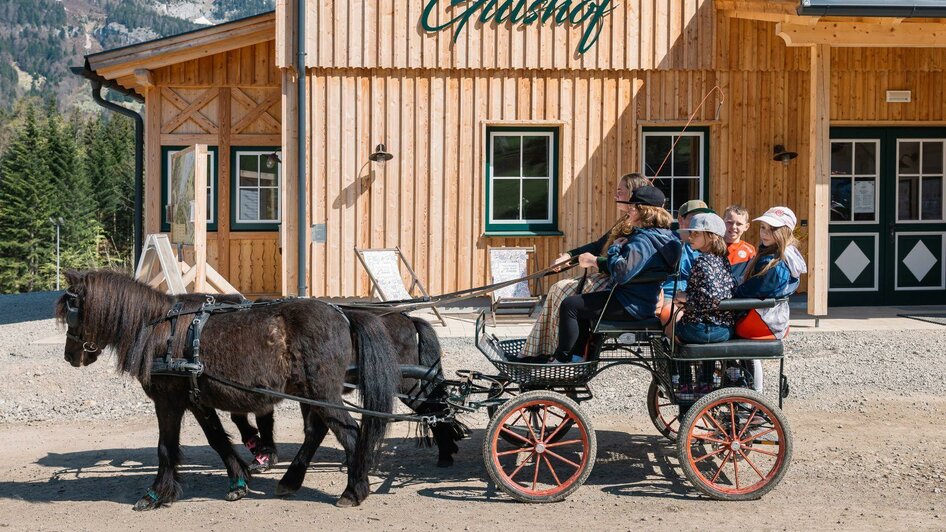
(647, 195)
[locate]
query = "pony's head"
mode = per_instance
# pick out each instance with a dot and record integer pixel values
(82, 348)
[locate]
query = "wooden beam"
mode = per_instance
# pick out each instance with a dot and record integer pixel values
(190, 111)
(864, 34)
(819, 179)
(120, 62)
(144, 77)
(256, 110)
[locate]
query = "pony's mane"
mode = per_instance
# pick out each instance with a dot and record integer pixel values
(116, 312)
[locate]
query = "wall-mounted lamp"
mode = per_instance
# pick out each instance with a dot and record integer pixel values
(380, 155)
(272, 160)
(783, 156)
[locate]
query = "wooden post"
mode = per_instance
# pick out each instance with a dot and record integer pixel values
(819, 179)
(200, 217)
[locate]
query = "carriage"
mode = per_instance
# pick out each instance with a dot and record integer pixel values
(732, 442)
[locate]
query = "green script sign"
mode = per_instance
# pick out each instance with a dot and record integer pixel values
(524, 12)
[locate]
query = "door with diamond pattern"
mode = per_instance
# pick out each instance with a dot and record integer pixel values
(888, 224)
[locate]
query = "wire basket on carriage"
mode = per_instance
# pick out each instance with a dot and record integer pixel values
(501, 353)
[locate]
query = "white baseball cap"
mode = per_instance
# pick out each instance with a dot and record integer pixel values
(708, 222)
(779, 217)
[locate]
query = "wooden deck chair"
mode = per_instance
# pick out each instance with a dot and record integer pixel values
(384, 270)
(506, 264)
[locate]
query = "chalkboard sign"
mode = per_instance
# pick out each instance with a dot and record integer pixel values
(384, 267)
(506, 265)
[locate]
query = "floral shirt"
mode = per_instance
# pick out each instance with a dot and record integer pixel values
(710, 282)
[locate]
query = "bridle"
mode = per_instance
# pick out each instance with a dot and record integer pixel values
(74, 323)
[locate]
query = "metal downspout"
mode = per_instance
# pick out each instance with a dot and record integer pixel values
(139, 157)
(301, 151)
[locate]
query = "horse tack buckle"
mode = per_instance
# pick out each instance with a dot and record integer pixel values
(89, 347)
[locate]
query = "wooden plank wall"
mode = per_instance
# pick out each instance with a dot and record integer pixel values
(217, 100)
(860, 78)
(638, 34)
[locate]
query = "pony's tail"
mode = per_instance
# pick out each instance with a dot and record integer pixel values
(428, 345)
(378, 381)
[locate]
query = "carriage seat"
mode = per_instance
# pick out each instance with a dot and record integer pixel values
(733, 349)
(620, 326)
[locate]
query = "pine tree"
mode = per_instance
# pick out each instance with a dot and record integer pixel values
(72, 198)
(26, 236)
(110, 168)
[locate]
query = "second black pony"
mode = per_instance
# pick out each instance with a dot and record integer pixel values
(300, 346)
(415, 343)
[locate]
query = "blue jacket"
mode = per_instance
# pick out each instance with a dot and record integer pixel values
(639, 256)
(777, 282)
(686, 264)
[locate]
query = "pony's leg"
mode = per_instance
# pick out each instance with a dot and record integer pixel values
(315, 431)
(345, 429)
(445, 434)
(166, 487)
(248, 433)
(265, 455)
(219, 440)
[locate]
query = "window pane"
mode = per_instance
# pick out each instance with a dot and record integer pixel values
(249, 205)
(656, 147)
(907, 195)
(932, 197)
(506, 199)
(865, 158)
(535, 156)
(210, 204)
(686, 157)
(864, 199)
(932, 158)
(840, 199)
(841, 158)
(535, 199)
(269, 199)
(909, 158)
(685, 190)
(665, 187)
(249, 170)
(506, 156)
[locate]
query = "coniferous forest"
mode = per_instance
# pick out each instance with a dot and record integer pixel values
(69, 166)
(62, 156)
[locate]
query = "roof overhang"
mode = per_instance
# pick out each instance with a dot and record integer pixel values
(128, 67)
(874, 8)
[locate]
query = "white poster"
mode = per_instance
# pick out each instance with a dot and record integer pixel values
(863, 197)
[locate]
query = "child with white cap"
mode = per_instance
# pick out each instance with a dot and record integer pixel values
(773, 273)
(710, 282)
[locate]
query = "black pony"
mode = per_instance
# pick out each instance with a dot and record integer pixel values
(299, 346)
(415, 343)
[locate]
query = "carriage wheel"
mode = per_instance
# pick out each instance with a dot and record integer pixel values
(734, 445)
(664, 414)
(539, 447)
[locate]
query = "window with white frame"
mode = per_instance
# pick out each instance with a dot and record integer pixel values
(676, 161)
(258, 178)
(920, 172)
(854, 175)
(168, 151)
(521, 179)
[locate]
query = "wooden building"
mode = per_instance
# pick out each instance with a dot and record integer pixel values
(515, 132)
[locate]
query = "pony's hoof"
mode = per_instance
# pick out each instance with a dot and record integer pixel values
(237, 493)
(445, 461)
(346, 502)
(285, 491)
(263, 462)
(149, 501)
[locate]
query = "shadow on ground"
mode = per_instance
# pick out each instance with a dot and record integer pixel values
(627, 465)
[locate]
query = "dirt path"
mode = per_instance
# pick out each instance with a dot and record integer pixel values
(881, 468)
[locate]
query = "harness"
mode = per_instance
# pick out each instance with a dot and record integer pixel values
(74, 322)
(190, 365)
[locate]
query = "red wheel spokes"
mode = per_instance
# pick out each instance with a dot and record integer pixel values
(552, 470)
(560, 443)
(715, 423)
(514, 435)
(563, 459)
(523, 464)
(517, 451)
(720, 470)
(732, 420)
(756, 469)
(748, 422)
(545, 416)
(759, 435)
(535, 477)
(710, 455)
(760, 451)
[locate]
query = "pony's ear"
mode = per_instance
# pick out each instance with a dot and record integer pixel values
(73, 277)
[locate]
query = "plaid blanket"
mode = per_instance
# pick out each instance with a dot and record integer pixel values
(543, 339)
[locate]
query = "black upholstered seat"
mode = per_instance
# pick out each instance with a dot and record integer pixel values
(607, 326)
(739, 348)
